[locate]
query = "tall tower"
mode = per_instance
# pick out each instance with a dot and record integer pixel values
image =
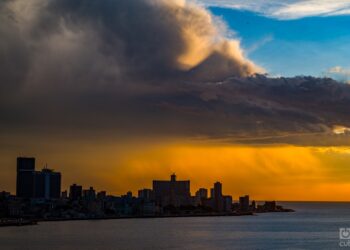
(217, 189)
(25, 184)
(218, 199)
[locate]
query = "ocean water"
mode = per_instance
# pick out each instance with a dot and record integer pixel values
(312, 226)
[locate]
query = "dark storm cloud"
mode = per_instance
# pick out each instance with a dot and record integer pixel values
(152, 68)
(88, 43)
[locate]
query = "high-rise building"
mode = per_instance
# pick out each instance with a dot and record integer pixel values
(25, 186)
(47, 184)
(89, 194)
(218, 202)
(212, 194)
(218, 199)
(173, 192)
(75, 192)
(244, 203)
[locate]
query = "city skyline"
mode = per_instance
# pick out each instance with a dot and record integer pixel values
(235, 189)
(46, 184)
(39, 196)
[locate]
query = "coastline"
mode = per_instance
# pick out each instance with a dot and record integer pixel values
(31, 222)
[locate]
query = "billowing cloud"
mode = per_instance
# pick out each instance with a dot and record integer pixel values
(150, 68)
(289, 9)
(84, 43)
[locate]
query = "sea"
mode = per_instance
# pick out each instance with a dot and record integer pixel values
(314, 225)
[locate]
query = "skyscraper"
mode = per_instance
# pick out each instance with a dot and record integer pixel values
(218, 198)
(47, 184)
(25, 185)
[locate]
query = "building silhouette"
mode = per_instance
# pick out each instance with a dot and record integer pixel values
(146, 194)
(101, 195)
(25, 183)
(45, 184)
(244, 203)
(89, 194)
(75, 192)
(201, 196)
(173, 192)
(218, 197)
(64, 194)
(218, 202)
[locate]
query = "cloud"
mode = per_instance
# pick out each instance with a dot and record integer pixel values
(286, 10)
(153, 69)
(339, 73)
(99, 42)
(339, 130)
(255, 110)
(260, 43)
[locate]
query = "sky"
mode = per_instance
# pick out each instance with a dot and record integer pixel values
(116, 93)
(312, 32)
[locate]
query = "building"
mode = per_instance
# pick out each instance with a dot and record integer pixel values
(75, 192)
(218, 202)
(64, 194)
(89, 194)
(270, 206)
(212, 194)
(147, 205)
(47, 184)
(253, 206)
(227, 203)
(172, 192)
(218, 197)
(146, 194)
(201, 194)
(25, 184)
(101, 195)
(244, 203)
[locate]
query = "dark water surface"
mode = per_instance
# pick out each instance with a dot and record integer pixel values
(312, 226)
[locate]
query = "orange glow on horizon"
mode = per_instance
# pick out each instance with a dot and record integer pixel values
(270, 172)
